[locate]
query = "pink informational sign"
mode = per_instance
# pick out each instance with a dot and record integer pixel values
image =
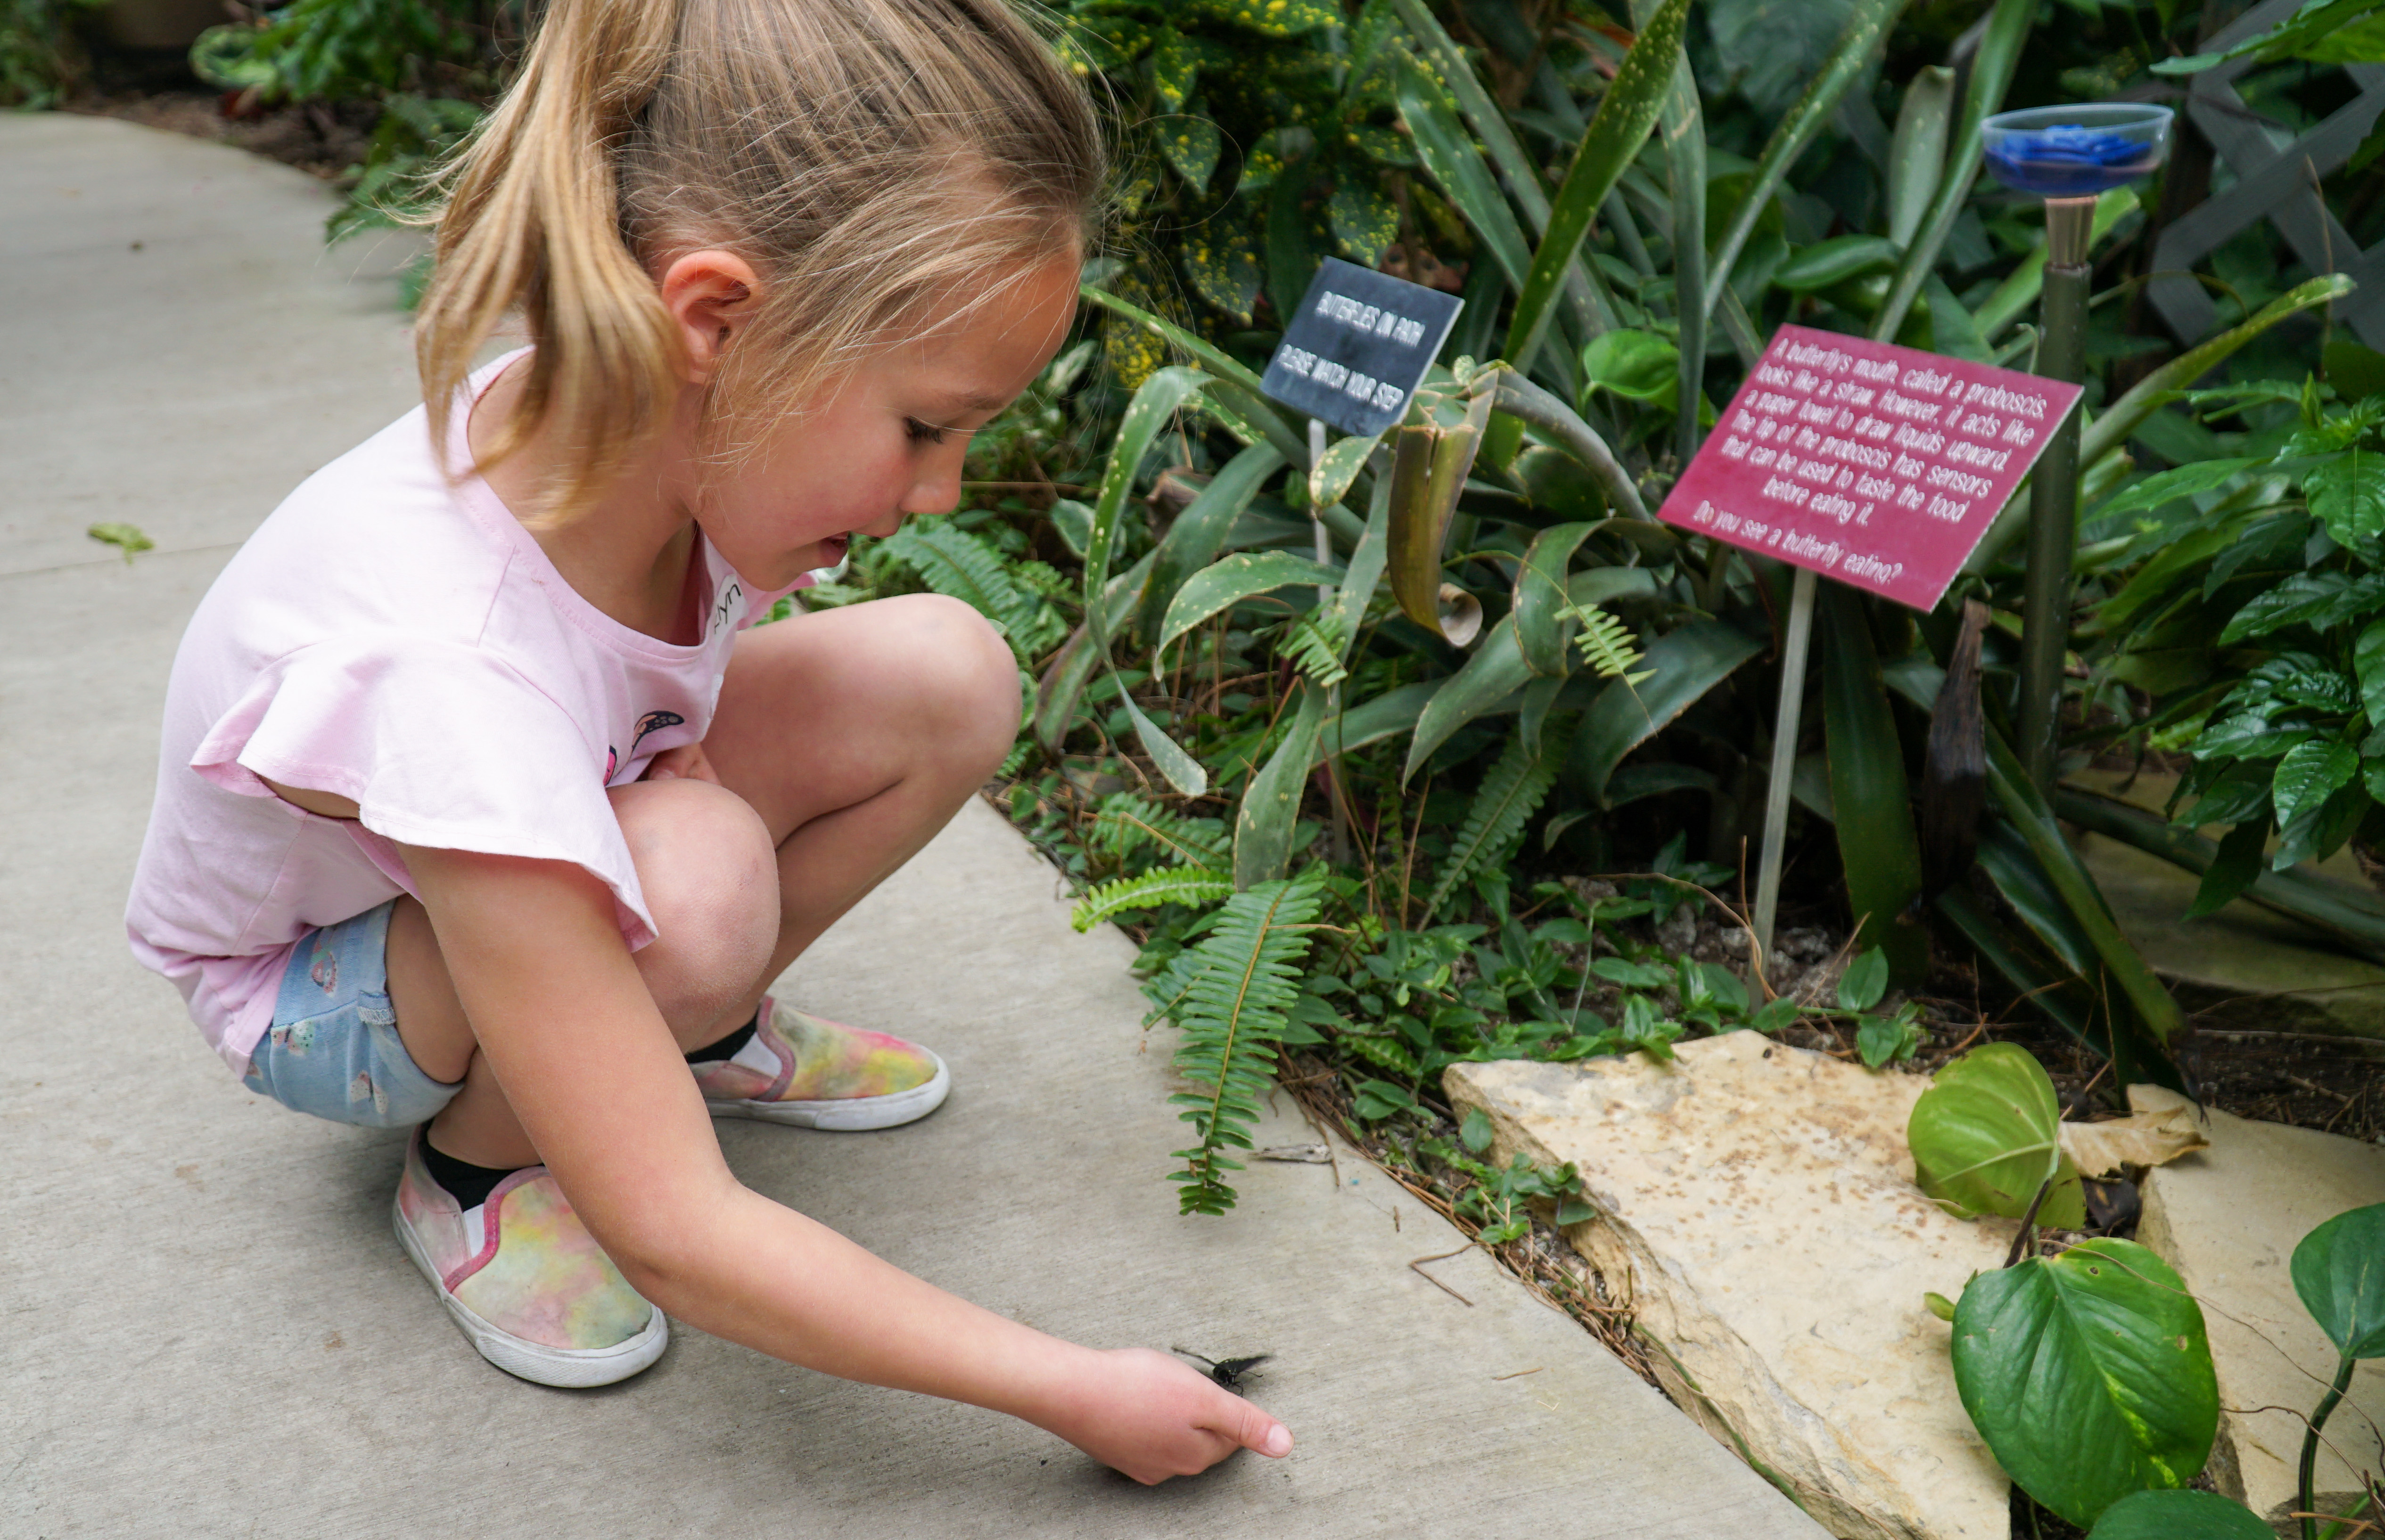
(1878, 465)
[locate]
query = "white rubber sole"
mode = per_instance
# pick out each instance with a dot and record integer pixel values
(568, 1367)
(852, 1114)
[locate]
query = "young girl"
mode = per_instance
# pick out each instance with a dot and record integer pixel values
(479, 808)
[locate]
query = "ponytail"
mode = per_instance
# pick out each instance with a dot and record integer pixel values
(534, 221)
(876, 161)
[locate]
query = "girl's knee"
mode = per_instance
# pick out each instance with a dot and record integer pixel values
(967, 676)
(709, 874)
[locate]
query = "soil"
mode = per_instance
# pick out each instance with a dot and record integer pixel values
(319, 140)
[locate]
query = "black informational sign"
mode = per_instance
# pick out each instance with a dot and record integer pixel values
(1359, 347)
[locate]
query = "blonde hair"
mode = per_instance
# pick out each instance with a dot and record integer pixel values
(872, 159)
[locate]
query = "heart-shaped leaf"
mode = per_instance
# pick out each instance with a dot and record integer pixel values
(2179, 1516)
(1864, 982)
(1984, 1139)
(2089, 1374)
(2339, 1273)
(1639, 365)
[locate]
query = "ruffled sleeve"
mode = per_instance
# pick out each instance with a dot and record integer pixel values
(439, 745)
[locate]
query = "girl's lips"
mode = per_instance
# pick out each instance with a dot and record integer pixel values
(833, 547)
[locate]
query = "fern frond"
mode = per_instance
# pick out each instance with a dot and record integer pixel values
(1125, 823)
(1510, 794)
(1608, 646)
(1314, 647)
(1228, 996)
(967, 568)
(1163, 885)
(1383, 1053)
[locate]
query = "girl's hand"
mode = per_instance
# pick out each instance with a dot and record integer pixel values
(685, 762)
(1152, 1417)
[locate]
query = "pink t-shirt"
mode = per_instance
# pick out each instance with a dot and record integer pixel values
(399, 639)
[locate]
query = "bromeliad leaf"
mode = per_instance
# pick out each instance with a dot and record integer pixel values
(1329, 478)
(1153, 405)
(2309, 774)
(1232, 579)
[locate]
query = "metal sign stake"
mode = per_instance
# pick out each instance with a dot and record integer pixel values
(1784, 758)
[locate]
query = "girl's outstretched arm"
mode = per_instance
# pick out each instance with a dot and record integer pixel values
(603, 1092)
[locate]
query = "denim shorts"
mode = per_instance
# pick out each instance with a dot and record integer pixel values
(333, 1050)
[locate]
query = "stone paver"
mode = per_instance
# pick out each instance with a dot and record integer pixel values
(208, 1330)
(1756, 1205)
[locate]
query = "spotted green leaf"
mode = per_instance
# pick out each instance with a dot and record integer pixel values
(1267, 157)
(1364, 221)
(1174, 66)
(1271, 18)
(1330, 477)
(1383, 146)
(1222, 263)
(1191, 145)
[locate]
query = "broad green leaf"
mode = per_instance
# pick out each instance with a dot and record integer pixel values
(1865, 981)
(1984, 1139)
(1850, 61)
(1269, 815)
(1992, 72)
(1183, 772)
(1953, 331)
(2170, 485)
(1497, 670)
(2180, 1515)
(1364, 221)
(1879, 847)
(1329, 478)
(1639, 365)
(2319, 599)
(2089, 1374)
(1835, 261)
(1231, 580)
(2236, 866)
(1199, 532)
(1074, 522)
(1688, 662)
(2368, 661)
(2309, 774)
(1917, 152)
(1542, 606)
(1222, 263)
(2339, 1273)
(2347, 494)
(1626, 115)
(1153, 406)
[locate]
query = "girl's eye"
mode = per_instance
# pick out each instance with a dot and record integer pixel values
(922, 432)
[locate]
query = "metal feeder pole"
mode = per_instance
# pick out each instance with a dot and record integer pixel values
(2053, 490)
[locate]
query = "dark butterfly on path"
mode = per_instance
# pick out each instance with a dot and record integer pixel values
(1228, 1371)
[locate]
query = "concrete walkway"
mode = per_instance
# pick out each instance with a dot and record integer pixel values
(204, 1326)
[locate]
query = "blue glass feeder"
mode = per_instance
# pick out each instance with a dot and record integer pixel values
(2068, 156)
(2076, 152)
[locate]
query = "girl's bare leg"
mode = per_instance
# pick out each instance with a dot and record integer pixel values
(845, 741)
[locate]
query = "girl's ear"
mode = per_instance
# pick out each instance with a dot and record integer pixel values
(709, 295)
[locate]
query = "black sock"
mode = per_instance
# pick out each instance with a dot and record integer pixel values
(727, 1048)
(468, 1185)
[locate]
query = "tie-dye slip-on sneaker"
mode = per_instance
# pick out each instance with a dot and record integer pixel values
(525, 1280)
(819, 1074)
